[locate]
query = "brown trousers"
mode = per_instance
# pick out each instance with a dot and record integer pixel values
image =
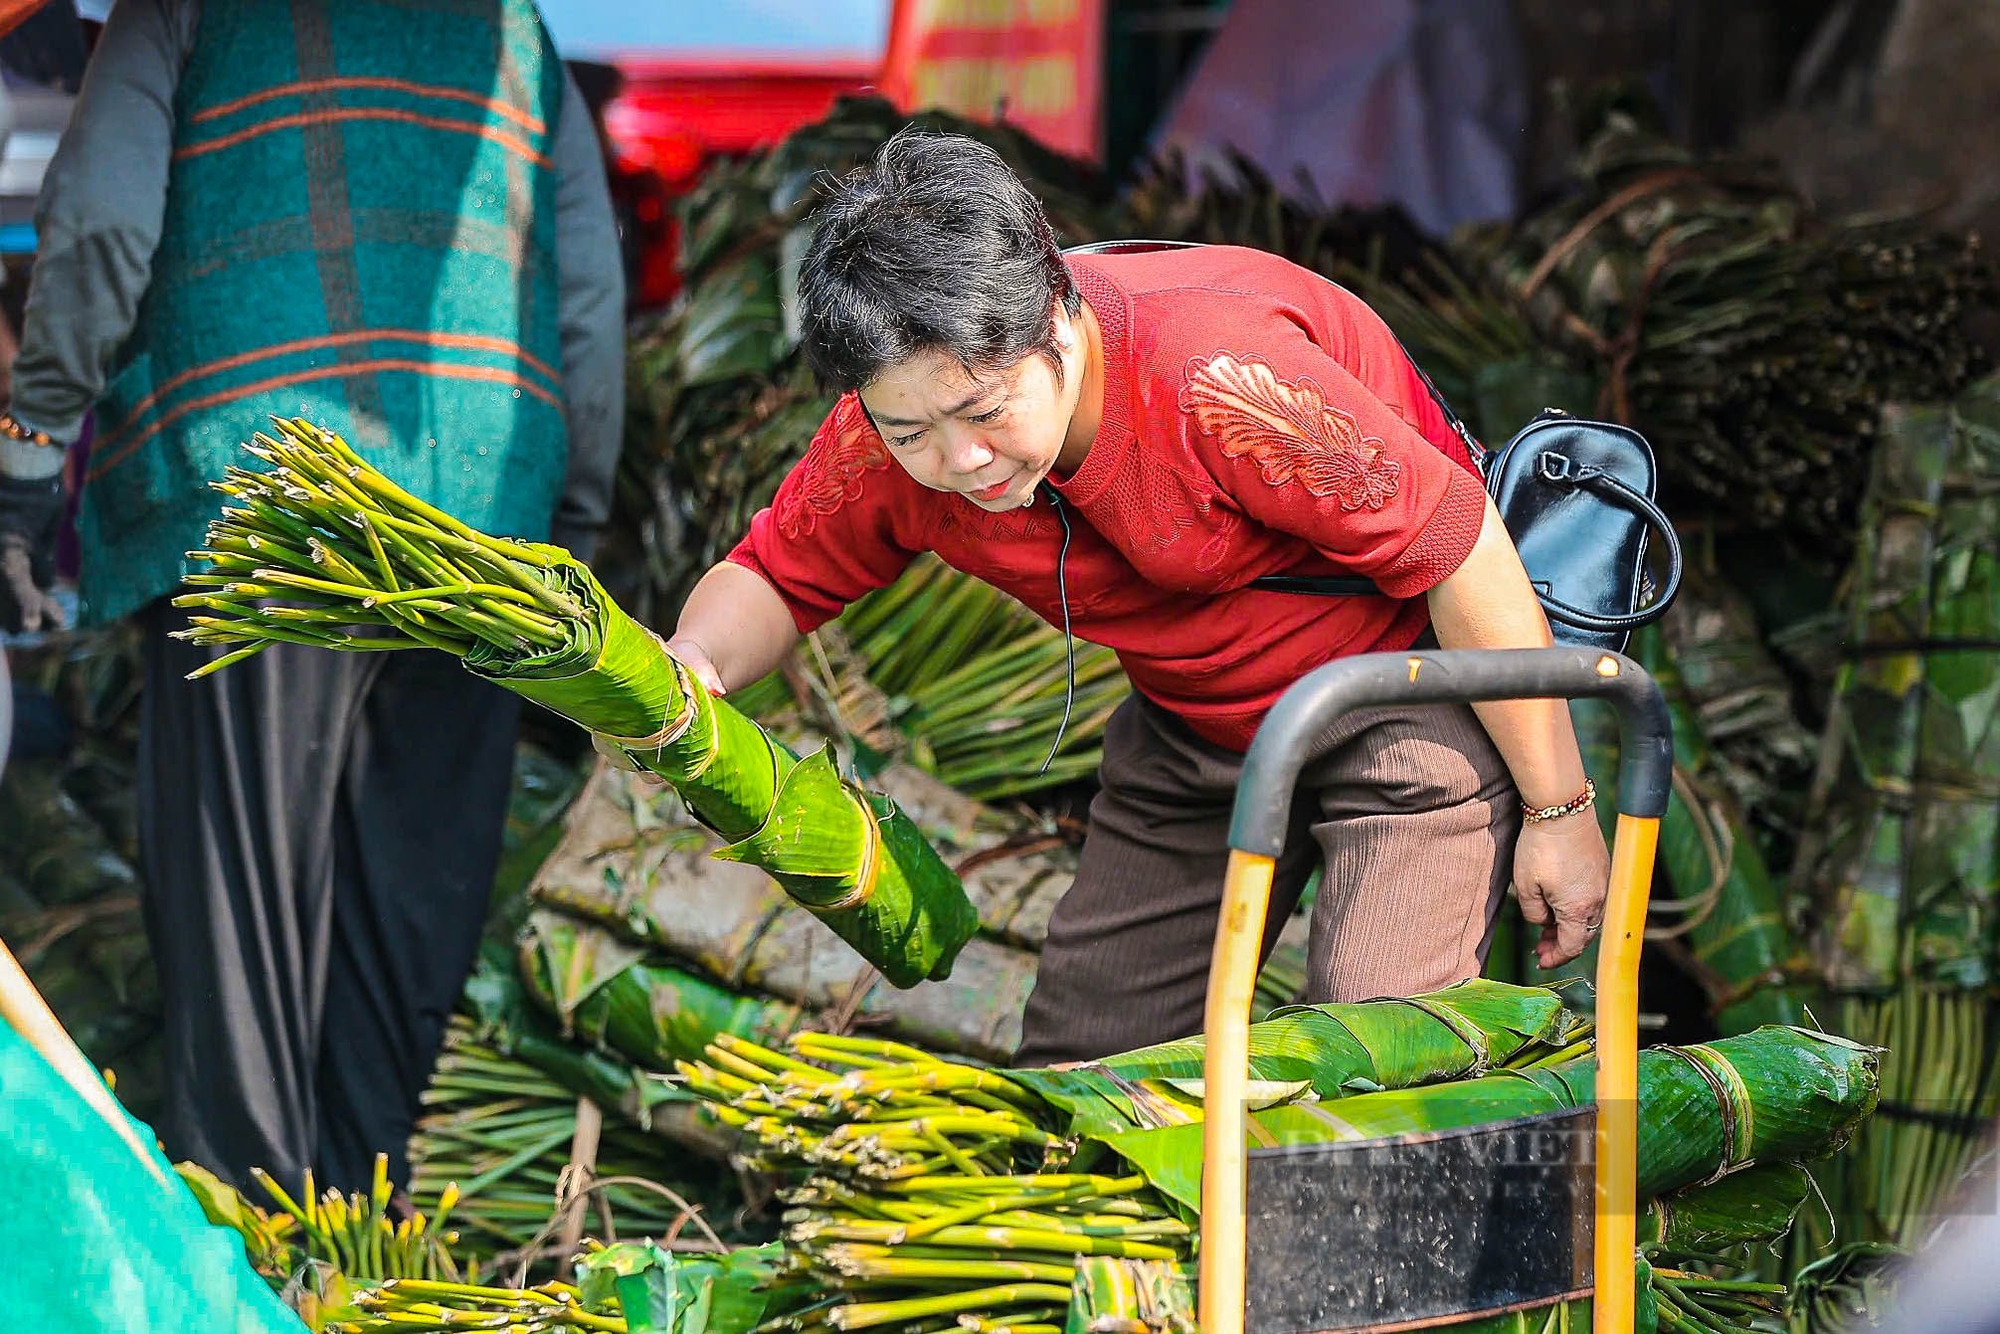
(1410, 810)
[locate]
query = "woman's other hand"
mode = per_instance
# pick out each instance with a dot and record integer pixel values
(1561, 871)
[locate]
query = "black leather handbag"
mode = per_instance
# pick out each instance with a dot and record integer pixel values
(1577, 498)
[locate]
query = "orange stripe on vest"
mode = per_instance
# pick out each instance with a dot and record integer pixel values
(304, 87)
(467, 342)
(509, 141)
(447, 370)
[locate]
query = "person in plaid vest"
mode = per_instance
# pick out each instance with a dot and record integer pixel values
(391, 219)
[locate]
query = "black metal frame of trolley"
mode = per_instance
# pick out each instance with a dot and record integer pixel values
(1418, 1230)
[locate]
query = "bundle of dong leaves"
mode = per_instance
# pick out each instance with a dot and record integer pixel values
(834, 1114)
(925, 1192)
(1900, 871)
(645, 951)
(1703, 302)
(320, 549)
(321, 1249)
(631, 903)
(505, 1130)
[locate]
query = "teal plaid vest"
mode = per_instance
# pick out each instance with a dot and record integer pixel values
(360, 230)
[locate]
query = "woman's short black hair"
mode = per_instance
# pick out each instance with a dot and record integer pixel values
(933, 246)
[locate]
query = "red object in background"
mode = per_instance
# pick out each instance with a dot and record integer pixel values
(674, 116)
(13, 13)
(677, 112)
(1037, 62)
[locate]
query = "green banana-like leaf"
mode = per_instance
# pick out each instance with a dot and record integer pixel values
(618, 999)
(860, 866)
(1758, 1204)
(733, 325)
(1707, 848)
(659, 1292)
(500, 1005)
(1907, 874)
(816, 830)
(533, 619)
(1778, 1094)
(1110, 1292)
(1464, 1030)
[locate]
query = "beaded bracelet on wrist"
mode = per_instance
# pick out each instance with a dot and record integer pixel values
(13, 430)
(1583, 801)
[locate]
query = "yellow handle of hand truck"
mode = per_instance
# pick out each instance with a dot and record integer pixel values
(1256, 837)
(1618, 1071)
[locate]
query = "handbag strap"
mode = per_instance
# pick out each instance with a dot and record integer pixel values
(1326, 586)
(1596, 479)
(1617, 490)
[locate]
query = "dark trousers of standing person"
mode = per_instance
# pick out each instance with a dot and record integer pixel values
(1409, 810)
(319, 834)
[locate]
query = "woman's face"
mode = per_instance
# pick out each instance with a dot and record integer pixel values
(991, 436)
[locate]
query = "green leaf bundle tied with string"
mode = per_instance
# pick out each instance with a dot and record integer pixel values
(926, 1194)
(323, 550)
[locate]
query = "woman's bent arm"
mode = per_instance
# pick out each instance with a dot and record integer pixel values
(734, 628)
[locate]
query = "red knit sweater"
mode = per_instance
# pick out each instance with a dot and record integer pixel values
(1257, 420)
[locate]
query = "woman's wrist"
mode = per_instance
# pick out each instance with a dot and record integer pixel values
(1584, 800)
(1539, 748)
(20, 432)
(1547, 777)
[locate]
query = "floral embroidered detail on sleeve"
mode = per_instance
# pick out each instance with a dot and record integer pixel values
(833, 470)
(1288, 429)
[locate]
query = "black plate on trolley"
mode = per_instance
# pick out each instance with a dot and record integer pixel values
(1420, 1230)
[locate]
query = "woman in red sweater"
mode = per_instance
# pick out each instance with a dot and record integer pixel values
(1124, 442)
